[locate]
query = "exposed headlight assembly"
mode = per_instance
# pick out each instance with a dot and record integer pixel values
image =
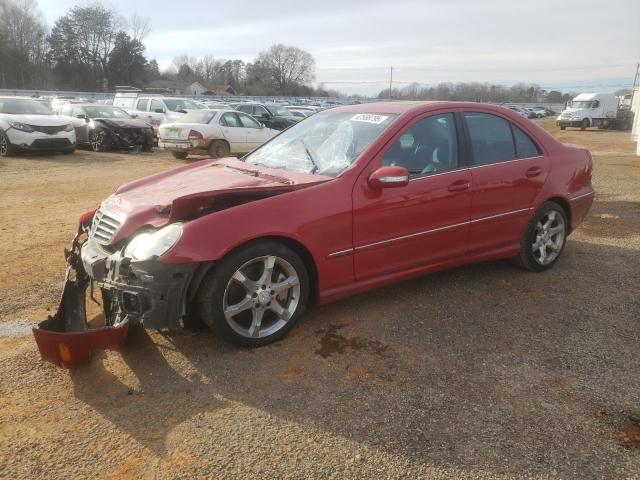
(153, 244)
(23, 127)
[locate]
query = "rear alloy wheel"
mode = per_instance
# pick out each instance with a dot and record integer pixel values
(97, 140)
(6, 149)
(219, 149)
(254, 296)
(544, 239)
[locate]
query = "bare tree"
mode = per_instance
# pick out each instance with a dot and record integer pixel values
(139, 27)
(289, 66)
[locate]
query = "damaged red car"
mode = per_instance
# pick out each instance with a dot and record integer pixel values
(347, 200)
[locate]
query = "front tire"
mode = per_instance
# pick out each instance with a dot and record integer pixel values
(544, 239)
(179, 155)
(255, 295)
(563, 127)
(585, 124)
(6, 149)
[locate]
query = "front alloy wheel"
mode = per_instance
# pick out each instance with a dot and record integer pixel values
(6, 148)
(253, 296)
(96, 140)
(261, 297)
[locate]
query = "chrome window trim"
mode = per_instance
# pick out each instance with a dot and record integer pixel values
(506, 161)
(349, 251)
(431, 175)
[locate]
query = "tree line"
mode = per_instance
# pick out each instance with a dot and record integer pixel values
(478, 92)
(93, 48)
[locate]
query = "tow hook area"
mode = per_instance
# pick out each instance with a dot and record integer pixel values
(65, 338)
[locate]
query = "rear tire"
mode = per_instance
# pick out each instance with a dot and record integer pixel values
(179, 155)
(254, 296)
(219, 149)
(6, 149)
(544, 239)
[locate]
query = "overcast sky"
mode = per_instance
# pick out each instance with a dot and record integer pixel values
(570, 44)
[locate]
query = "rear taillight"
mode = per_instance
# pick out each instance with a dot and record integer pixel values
(194, 135)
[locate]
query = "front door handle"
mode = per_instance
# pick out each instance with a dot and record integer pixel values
(460, 186)
(533, 172)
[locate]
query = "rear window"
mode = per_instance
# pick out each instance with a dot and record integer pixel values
(198, 116)
(491, 139)
(525, 147)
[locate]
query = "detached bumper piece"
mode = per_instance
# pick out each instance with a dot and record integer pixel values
(65, 338)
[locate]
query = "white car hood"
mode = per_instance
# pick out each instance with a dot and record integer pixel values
(40, 120)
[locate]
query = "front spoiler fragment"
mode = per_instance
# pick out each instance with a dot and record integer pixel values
(65, 338)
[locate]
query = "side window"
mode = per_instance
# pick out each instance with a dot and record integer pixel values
(142, 104)
(259, 111)
(245, 108)
(156, 105)
(247, 121)
(525, 147)
(66, 110)
(491, 139)
(77, 111)
(429, 146)
(230, 120)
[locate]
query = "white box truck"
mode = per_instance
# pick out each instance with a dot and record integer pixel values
(600, 110)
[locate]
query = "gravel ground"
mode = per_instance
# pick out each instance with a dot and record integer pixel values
(484, 371)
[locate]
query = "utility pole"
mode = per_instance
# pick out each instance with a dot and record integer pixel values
(390, 82)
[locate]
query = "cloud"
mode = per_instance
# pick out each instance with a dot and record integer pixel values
(425, 41)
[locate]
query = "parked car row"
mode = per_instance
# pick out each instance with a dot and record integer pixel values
(530, 112)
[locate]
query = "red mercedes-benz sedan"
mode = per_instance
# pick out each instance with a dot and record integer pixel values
(348, 199)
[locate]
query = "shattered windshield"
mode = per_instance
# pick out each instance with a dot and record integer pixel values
(326, 143)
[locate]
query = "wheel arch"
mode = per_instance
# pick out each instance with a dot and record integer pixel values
(300, 249)
(564, 203)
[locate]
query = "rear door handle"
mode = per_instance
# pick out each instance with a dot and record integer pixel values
(533, 172)
(460, 186)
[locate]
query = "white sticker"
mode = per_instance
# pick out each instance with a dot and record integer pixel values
(369, 118)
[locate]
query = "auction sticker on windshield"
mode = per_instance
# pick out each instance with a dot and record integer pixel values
(369, 118)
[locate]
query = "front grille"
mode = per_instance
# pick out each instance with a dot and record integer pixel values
(104, 226)
(46, 143)
(48, 130)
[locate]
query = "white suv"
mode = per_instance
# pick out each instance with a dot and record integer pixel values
(155, 110)
(29, 125)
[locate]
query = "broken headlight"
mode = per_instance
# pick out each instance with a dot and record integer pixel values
(153, 244)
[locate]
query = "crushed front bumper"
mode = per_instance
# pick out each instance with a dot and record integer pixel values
(146, 292)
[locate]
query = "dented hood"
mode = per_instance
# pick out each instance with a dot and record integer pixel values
(185, 192)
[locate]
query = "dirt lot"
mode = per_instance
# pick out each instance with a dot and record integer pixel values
(485, 371)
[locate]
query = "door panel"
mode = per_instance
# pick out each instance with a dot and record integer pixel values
(399, 228)
(424, 222)
(234, 132)
(504, 186)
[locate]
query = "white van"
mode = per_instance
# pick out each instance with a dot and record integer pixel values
(590, 110)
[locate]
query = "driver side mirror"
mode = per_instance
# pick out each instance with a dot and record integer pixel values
(159, 110)
(389, 177)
